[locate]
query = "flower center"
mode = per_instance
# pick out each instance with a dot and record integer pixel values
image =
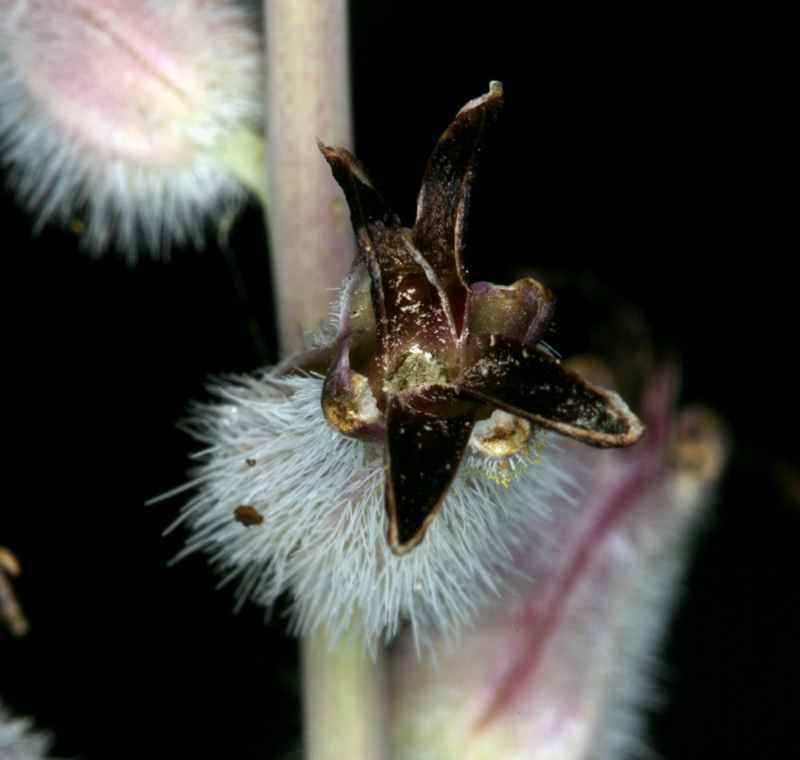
(419, 367)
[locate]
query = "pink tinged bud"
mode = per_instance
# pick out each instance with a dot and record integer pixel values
(128, 111)
(565, 669)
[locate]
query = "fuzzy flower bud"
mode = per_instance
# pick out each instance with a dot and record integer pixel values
(392, 471)
(122, 117)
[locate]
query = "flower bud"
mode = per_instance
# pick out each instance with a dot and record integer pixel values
(120, 117)
(391, 471)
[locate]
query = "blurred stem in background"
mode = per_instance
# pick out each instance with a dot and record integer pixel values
(308, 97)
(311, 247)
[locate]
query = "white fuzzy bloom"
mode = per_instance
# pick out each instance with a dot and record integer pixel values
(115, 115)
(17, 739)
(317, 521)
(328, 489)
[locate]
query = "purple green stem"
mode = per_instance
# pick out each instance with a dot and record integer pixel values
(311, 249)
(308, 97)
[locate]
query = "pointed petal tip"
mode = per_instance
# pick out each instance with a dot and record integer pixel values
(400, 549)
(636, 429)
(495, 90)
(427, 431)
(495, 94)
(629, 428)
(342, 158)
(402, 545)
(331, 152)
(335, 154)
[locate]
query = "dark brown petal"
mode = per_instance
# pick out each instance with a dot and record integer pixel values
(443, 200)
(531, 384)
(427, 431)
(347, 401)
(522, 311)
(408, 299)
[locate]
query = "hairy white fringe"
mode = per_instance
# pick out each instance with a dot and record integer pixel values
(323, 536)
(60, 175)
(18, 740)
(635, 684)
(632, 689)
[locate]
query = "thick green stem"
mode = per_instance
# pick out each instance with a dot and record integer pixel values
(311, 248)
(308, 97)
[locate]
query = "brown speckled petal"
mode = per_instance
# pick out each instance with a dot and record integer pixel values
(531, 384)
(408, 299)
(443, 200)
(427, 433)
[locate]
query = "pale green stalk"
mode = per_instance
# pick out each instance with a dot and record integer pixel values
(344, 701)
(308, 97)
(243, 155)
(311, 247)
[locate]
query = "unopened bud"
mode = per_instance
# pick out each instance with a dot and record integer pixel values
(129, 113)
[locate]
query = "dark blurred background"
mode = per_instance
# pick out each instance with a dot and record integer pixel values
(644, 153)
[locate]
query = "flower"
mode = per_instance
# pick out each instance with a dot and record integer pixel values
(566, 667)
(435, 400)
(432, 369)
(322, 532)
(119, 118)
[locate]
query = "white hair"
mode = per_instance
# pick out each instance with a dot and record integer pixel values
(112, 115)
(321, 532)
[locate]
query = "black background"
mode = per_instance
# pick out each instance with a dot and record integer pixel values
(645, 150)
